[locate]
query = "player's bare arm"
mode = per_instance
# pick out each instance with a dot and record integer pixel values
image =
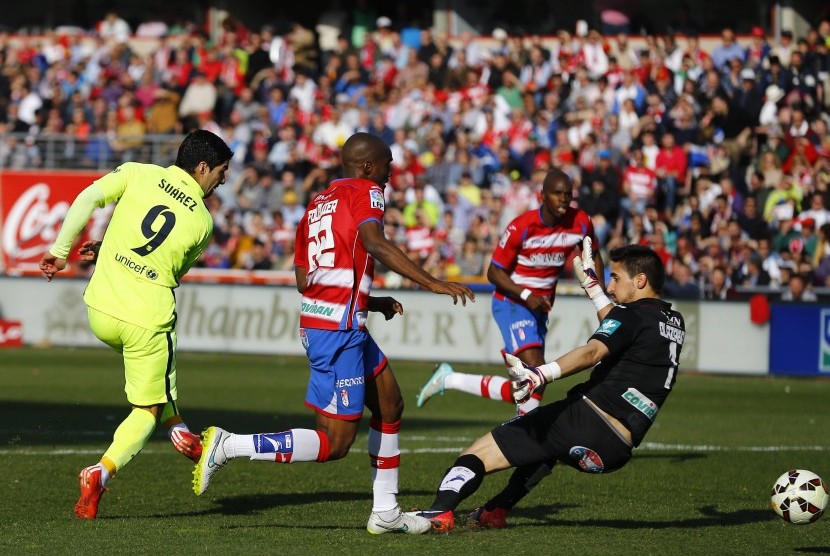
(581, 358)
(300, 273)
(501, 279)
(389, 306)
(388, 253)
(527, 379)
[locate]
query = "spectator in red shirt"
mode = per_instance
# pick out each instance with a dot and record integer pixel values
(639, 187)
(670, 167)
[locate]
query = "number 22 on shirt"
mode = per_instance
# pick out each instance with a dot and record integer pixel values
(320, 243)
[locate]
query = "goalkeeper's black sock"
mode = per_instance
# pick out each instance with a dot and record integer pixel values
(521, 482)
(460, 481)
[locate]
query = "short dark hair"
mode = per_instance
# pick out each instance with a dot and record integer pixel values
(639, 258)
(202, 146)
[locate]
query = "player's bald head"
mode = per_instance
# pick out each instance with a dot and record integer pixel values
(554, 177)
(366, 156)
(362, 147)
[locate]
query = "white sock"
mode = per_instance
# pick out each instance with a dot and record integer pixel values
(283, 447)
(178, 426)
(484, 386)
(105, 475)
(385, 456)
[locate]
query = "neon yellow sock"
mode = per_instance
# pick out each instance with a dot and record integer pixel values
(130, 437)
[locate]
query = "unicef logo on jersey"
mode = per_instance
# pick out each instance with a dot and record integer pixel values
(140, 269)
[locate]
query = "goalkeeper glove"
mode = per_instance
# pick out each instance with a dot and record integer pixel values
(586, 273)
(526, 379)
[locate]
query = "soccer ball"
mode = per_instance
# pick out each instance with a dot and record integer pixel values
(799, 496)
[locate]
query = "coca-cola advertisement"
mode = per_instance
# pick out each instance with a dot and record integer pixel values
(32, 208)
(11, 333)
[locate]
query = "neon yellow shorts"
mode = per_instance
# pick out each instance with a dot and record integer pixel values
(149, 358)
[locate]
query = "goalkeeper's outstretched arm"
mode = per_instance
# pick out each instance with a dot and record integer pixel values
(527, 379)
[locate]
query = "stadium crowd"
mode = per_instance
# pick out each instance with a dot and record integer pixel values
(719, 160)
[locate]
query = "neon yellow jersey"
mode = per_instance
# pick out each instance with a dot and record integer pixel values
(158, 230)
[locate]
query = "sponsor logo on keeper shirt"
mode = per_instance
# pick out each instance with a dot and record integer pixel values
(641, 403)
(140, 269)
(587, 459)
(608, 327)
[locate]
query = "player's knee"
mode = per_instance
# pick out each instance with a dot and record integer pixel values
(395, 411)
(388, 410)
(338, 450)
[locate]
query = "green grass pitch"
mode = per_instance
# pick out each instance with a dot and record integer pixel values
(699, 484)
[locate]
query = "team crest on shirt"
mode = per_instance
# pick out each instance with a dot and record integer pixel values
(587, 459)
(376, 198)
(344, 397)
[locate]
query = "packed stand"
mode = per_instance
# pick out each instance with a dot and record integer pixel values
(718, 160)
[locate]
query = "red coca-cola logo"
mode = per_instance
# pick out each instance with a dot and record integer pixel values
(33, 206)
(11, 333)
(32, 224)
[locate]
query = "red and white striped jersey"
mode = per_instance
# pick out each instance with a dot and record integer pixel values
(534, 254)
(328, 245)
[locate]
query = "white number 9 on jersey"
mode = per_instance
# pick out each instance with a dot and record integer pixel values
(320, 244)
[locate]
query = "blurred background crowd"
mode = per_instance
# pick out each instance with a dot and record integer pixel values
(718, 158)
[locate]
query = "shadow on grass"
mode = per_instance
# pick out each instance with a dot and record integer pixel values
(41, 424)
(252, 504)
(545, 516)
(813, 549)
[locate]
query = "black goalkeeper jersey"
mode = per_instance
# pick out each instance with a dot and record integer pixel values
(633, 381)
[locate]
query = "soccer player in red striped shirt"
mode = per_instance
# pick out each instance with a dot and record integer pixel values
(525, 267)
(338, 240)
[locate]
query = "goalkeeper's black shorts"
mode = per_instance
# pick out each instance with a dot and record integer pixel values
(569, 431)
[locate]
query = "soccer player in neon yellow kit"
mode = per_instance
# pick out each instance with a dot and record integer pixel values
(158, 230)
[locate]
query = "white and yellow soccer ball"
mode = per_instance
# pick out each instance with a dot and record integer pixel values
(799, 496)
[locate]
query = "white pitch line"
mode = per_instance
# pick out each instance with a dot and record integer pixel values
(646, 446)
(36, 432)
(660, 447)
(438, 438)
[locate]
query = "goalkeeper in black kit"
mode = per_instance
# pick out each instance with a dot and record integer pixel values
(634, 355)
